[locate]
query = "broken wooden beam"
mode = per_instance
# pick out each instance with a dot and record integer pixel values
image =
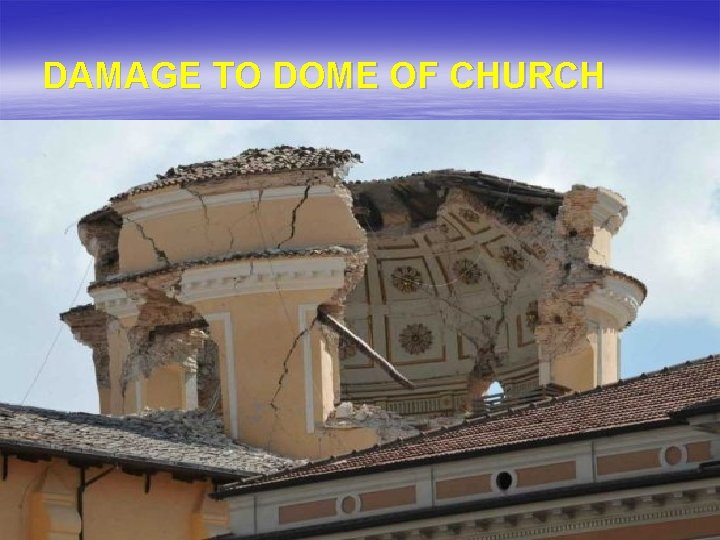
(366, 349)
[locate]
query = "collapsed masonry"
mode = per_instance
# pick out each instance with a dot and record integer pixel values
(266, 290)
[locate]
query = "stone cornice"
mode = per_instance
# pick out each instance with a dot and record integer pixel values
(618, 297)
(116, 302)
(655, 507)
(234, 279)
(264, 255)
(248, 277)
(609, 211)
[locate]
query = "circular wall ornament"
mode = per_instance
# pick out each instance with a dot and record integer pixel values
(350, 504)
(416, 338)
(512, 258)
(469, 215)
(467, 271)
(406, 279)
(673, 455)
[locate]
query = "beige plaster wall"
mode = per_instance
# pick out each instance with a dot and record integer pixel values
(115, 507)
(601, 248)
(15, 498)
(596, 362)
(248, 226)
(164, 388)
(264, 390)
(270, 373)
(575, 370)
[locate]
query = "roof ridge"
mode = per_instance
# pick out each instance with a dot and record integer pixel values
(510, 411)
(251, 161)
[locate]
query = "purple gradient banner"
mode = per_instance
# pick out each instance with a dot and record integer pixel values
(404, 59)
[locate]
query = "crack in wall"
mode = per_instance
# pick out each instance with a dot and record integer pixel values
(281, 380)
(201, 200)
(286, 361)
(293, 221)
(488, 360)
(159, 253)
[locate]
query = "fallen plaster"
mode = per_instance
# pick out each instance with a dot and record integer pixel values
(389, 425)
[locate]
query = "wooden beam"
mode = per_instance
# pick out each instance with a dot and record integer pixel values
(366, 349)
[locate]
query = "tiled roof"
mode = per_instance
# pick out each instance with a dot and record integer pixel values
(469, 178)
(251, 161)
(272, 253)
(637, 403)
(172, 440)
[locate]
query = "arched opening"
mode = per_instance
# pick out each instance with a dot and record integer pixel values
(495, 389)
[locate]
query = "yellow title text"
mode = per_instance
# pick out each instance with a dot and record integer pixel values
(363, 75)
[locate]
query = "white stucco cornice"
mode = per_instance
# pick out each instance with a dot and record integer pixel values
(609, 211)
(116, 302)
(163, 204)
(260, 276)
(619, 297)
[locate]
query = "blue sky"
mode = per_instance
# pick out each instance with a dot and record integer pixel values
(52, 173)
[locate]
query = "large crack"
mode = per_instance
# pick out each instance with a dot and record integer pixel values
(159, 253)
(293, 221)
(281, 380)
(201, 200)
(286, 361)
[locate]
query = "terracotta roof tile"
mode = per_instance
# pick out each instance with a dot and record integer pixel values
(251, 161)
(638, 402)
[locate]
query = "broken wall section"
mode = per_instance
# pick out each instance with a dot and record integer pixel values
(539, 257)
(449, 290)
(215, 218)
(569, 320)
(99, 232)
(254, 258)
(168, 360)
(89, 327)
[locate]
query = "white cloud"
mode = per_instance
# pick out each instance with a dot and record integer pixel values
(668, 172)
